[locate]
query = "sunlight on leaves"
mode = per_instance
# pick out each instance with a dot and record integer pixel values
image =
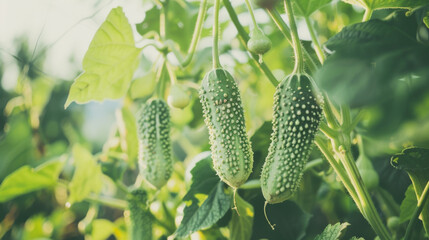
(87, 177)
(109, 63)
(381, 4)
(27, 179)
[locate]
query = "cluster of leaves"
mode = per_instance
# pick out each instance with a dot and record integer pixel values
(50, 177)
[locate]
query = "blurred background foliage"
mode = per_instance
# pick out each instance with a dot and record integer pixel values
(35, 129)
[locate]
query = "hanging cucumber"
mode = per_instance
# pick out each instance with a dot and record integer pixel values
(295, 122)
(155, 162)
(223, 112)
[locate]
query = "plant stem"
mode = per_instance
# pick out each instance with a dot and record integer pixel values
(416, 213)
(317, 47)
(283, 27)
(162, 21)
(249, 7)
(108, 201)
(244, 37)
(367, 15)
(295, 38)
(171, 74)
(197, 33)
(216, 62)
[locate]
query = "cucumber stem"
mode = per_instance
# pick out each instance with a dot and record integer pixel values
(244, 38)
(252, 15)
(317, 47)
(283, 27)
(216, 62)
(197, 33)
(295, 39)
(265, 213)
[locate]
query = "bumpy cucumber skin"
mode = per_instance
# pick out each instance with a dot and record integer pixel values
(296, 118)
(141, 219)
(223, 113)
(155, 162)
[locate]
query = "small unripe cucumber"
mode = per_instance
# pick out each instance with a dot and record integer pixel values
(155, 162)
(223, 113)
(295, 121)
(141, 219)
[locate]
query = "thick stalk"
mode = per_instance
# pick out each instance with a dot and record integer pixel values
(299, 61)
(244, 38)
(317, 47)
(216, 62)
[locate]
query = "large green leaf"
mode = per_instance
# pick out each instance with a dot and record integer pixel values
(203, 211)
(415, 161)
(370, 60)
(87, 177)
(307, 7)
(240, 224)
(332, 232)
(109, 62)
(408, 205)
(179, 26)
(380, 4)
(27, 179)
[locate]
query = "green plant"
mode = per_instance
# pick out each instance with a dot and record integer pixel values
(61, 178)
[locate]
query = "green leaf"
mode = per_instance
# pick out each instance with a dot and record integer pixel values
(128, 132)
(109, 63)
(372, 59)
(87, 177)
(380, 4)
(260, 143)
(415, 161)
(203, 211)
(27, 179)
(16, 145)
(102, 229)
(307, 7)
(240, 224)
(332, 232)
(408, 205)
(179, 26)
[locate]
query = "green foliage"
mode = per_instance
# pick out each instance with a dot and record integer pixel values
(87, 177)
(415, 161)
(128, 132)
(206, 200)
(108, 64)
(332, 232)
(380, 4)
(240, 224)
(408, 205)
(374, 57)
(27, 179)
(307, 7)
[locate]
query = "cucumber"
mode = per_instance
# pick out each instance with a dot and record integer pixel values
(296, 118)
(155, 162)
(224, 117)
(140, 216)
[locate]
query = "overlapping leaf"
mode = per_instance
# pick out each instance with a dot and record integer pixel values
(109, 62)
